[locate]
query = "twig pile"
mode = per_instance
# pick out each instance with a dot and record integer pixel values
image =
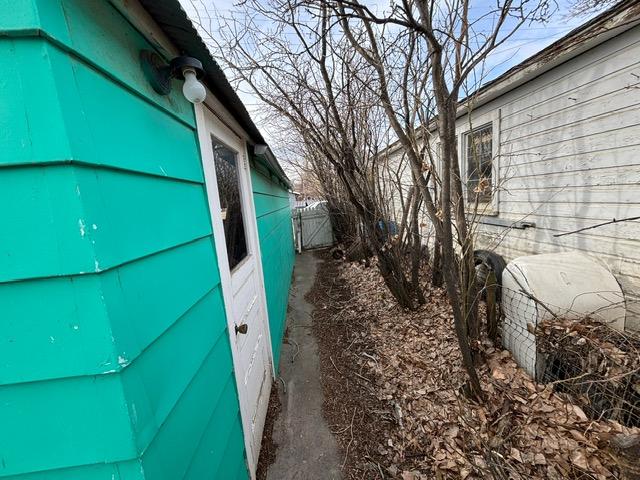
(425, 428)
(596, 365)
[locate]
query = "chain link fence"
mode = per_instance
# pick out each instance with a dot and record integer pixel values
(591, 430)
(593, 364)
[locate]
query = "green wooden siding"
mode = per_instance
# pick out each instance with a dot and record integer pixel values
(115, 361)
(273, 212)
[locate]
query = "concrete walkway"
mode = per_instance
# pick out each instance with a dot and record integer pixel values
(306, 448)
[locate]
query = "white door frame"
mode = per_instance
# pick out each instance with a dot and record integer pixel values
(227, 136)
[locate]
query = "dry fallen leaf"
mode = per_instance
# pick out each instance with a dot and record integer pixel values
(525, 428)
(539, 459)
(580, 413)
(515, 454)
(498, 374)
(579, 459)
(578, 436)
(414, 475)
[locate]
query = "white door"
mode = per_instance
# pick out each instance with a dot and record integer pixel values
(228, 183)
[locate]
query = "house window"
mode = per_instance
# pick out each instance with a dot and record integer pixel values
(226, 163)
(479, 144)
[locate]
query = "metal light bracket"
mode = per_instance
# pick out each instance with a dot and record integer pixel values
(159, 74)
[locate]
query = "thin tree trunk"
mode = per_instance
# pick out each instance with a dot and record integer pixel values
(416, 250)
(446, 127)
(436, 269)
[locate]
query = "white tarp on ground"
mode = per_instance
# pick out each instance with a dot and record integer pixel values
(541, 287)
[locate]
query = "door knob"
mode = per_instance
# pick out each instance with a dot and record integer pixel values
(243, 328)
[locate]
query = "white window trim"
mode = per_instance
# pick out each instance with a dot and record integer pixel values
(493, 119)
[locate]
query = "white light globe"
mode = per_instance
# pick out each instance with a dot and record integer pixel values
(192, 89)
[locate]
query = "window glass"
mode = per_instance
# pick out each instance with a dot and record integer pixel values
(230, 202)
(479, 146)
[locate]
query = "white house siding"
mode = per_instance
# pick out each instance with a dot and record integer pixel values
(567, 147)
(399, 178)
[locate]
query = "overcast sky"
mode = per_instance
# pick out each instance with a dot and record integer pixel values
(528, 40)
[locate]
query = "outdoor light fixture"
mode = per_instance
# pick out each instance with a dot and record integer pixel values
(260, 149)
(159, 75)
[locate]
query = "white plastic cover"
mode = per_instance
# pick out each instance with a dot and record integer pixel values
(567, 285)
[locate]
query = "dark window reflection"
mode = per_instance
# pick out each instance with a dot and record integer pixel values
(479, 158)
(229, 191)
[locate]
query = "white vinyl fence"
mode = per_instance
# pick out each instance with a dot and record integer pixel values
(313, 227)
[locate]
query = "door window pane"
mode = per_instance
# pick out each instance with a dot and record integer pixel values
(230, 202)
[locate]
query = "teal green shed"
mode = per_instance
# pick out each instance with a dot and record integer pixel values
(139, 335)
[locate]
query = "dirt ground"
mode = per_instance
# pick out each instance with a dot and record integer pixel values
(391, 381)
(269, 448)
(357, 418)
